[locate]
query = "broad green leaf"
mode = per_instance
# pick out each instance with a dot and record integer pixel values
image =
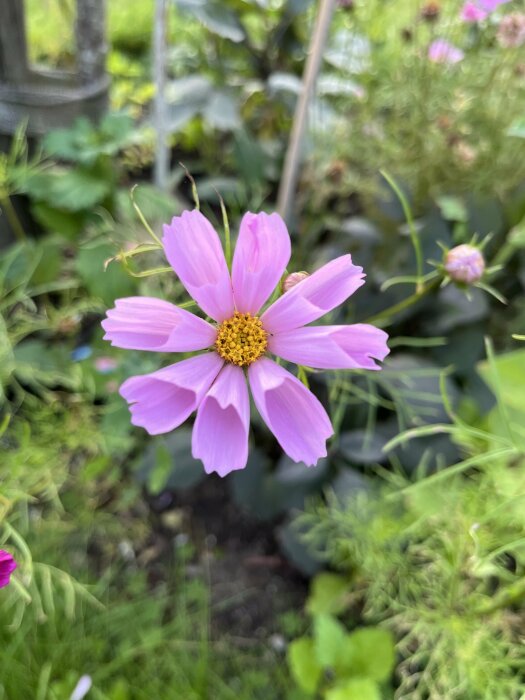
(77, 189)
(159, 475)
(368, 652)
(106, 283)
(355, 689)
(506, 380)
(327, 594)
(303, 664)
(329, 640)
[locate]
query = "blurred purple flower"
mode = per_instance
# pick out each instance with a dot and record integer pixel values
(81, 353)
(105, 364)
(7, 566)
(490, 5)
(472, 12)
(465, 264)
(82, 688)
(441, 51)
(511, 30)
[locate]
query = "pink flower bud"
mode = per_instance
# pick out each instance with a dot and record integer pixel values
(511, 30)
(465, 264)
(292, 279)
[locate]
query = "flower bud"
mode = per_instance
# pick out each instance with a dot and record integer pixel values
(511, 31)
(292, 279)
(465, 264)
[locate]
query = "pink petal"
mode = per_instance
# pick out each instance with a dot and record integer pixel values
(293, 414)
(146, 323)
(470, 12)
(161, 401)
(7, 566)
(220, 434)
(332, 347)
(262, 252)
(314, 296)
(194, 251)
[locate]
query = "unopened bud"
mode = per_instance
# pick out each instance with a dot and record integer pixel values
(511, 31)
(465, 264)
(430, 11)
(292, 279)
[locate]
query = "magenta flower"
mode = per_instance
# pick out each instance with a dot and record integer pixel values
(472, 12)
(7, 566)
(441, 51)
(214, 382)
(465, 264)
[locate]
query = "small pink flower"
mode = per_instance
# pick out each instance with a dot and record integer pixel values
(7, 566)
(472, 12)
(465, 264)
(292, 279)
(441, 51)
(214, 383)
(511, 30)
(105, 365)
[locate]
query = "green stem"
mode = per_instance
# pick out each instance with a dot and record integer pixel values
(512, 594)
(12, 217)
(416, 244)
(227, 235)
(405, 304)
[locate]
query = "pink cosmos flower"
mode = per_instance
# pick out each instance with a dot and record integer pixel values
(7, 566)
(465, 264)
(240, 337)
(441, 51)
(472, 12)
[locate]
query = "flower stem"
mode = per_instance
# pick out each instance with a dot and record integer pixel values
(412, 229)
(12, 217)
(227, 236)
(386, 314)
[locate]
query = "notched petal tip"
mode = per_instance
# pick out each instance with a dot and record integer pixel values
(220, 433)
(293, 414)
(315, 296)
(193, 249)
(262, 252)
(159, 402)
(155, 325)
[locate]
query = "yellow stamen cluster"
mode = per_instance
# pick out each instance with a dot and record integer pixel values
(241, 339)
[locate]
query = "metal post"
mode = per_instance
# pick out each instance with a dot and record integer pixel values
(162, 154)
(313, 62)
(13, 48)
(91, 40)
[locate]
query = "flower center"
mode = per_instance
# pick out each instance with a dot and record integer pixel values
(241, 339)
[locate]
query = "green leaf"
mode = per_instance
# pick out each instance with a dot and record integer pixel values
(505, 378)
(215, 17)
(168, 463)
(517, 128)
(159, 475)
(106, 283)
(327, 594)
(452, 208)
(303, 664)
(329, 639)
(355, 689)
(77, 189)
(368, 652)
(66, 223)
